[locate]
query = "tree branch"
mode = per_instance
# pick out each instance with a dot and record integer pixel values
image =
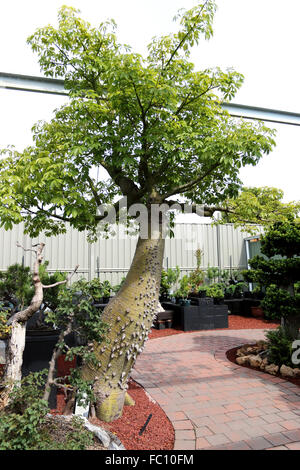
(187, 186)
(62, 282)
(186, 102)
(206, 211)
(56, 353)
(37, 299)
(94, 192)
(180, 44)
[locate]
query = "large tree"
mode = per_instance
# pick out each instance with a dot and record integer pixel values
(156, 127)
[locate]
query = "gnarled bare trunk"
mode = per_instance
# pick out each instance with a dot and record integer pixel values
(14, 358)
(129, 316)
(16, 342)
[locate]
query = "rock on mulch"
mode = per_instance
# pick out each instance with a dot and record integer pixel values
(232, 355)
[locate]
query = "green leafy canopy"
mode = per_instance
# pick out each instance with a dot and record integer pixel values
(153, 124)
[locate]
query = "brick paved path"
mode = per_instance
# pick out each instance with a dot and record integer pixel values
(213, 403)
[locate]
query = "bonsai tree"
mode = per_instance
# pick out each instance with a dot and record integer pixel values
(278, 271)
(212, 273)
(148, 123)
(196, 277)
(14, 327)
(77, 314)
(16, 288)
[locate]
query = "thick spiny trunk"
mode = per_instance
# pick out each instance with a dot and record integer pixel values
(129, 317)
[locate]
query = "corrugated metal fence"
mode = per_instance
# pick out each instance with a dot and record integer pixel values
(110, 259)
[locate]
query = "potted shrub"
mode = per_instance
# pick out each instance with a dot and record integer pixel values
(183, 292)
(202, 292)
(169, 278)
(106, 291)
(216, 291)
(235, 291)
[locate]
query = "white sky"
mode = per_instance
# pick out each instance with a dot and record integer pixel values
(259, 38)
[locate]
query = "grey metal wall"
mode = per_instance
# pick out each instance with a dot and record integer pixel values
(110, 259)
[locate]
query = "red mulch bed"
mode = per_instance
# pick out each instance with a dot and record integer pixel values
(159, 433)
(231, 356)
(235, 322)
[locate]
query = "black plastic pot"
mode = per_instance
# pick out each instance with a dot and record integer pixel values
(204, 316)
(219, 301)
(184, 302)
(38, 351)
(164, 298)
(202, 294)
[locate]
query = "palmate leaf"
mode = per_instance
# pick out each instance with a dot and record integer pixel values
(153, 126)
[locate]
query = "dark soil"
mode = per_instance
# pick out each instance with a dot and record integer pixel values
(59, 428)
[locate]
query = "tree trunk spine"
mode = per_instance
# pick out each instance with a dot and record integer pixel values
(129, 317)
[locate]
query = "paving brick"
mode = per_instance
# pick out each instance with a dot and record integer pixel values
(242, 445)
(222, 418)
(203, 431)
(236, 436)
(293, 446)
(201, 443)
(236, 415)
(287, 415)
(176, 416)
(185, 424)
(254, 431)
(277, 439)
(273, 428)
(219, 428)
(253, 412)
(272, 418)
(290, 425)
(184, 434)
(234, 407)
(184, 444)
(258, 443)
(278, 448)
(203, 421)
(293, 435)
(218, 439)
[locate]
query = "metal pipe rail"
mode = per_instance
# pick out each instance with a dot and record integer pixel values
(12, 81)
